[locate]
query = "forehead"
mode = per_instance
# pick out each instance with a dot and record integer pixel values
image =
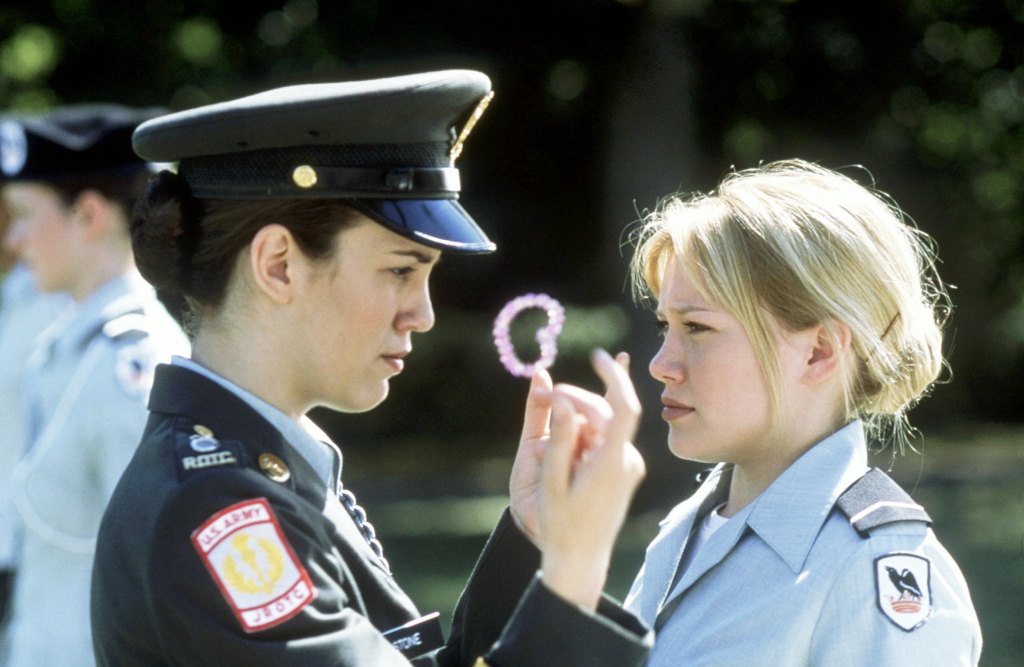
(24, 194)
(366, 237)
(678, 288)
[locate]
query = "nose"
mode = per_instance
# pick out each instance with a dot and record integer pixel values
(667, 365)
(14, 237)
(418, 316)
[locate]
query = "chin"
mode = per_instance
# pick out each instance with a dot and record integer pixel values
(361, 403)
(688, 449)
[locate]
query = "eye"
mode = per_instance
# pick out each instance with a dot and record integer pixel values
(403, 272)
(695, 327)
(662, 327)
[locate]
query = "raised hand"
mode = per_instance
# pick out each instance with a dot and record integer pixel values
(575, 475)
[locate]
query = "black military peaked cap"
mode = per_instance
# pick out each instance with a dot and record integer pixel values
(71, 142)
(387, 145)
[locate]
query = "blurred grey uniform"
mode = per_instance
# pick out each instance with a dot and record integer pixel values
(86, 390)
(24, 313)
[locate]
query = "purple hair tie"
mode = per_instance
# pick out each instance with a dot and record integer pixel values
(546, 337)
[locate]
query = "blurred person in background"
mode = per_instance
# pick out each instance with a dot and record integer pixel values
(801, 313)
(69, 180)
(24, 312)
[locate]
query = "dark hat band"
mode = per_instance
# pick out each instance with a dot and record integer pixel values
(306, 181)
(311, 172)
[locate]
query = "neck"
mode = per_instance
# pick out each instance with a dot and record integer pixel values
(101, 273)
(751, 477)
(253, 362)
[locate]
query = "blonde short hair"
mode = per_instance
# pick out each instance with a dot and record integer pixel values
(810, 246)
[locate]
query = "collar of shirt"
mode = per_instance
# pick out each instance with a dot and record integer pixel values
(80, 321)
(815, 480)
(308, 439)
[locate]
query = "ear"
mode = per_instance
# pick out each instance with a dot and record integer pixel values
(828, 345)
(272, 254)
(92, 212)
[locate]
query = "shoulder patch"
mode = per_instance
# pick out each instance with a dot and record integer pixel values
(875, 500)
(903, 586)
(253, 565)
(134, 369)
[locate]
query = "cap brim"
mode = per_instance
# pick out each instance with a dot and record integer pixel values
(438, 223)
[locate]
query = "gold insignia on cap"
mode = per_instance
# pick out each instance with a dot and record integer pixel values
(456, 150)
(274, 468)
(203, 431)
(304, 176)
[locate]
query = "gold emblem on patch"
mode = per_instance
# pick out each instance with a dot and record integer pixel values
(274, 468)
(456, 150)
(202, 431)
(260, 574)
(304, 176)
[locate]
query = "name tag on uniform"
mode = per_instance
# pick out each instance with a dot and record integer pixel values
(418, 636)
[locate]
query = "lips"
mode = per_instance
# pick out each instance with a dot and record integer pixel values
(672, 410)
(395, 360)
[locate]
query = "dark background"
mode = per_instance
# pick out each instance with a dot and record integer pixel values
(602, 108)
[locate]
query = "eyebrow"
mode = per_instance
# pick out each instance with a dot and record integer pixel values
(421, 257)
(686, 309)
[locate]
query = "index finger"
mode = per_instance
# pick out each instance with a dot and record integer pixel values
(537, 419)
(620, 394)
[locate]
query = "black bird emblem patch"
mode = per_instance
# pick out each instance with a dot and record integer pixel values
(903, 589)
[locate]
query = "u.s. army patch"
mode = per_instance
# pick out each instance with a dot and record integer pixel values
(903, 583)
(253, 565)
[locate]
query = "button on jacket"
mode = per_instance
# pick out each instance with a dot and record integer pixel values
(789, 581)
(247, 557)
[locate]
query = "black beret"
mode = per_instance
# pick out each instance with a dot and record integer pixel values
(71, 142)
(386, 145)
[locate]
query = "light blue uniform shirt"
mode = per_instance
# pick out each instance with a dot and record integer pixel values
(86, 387)
(24, 313)
(788, 580)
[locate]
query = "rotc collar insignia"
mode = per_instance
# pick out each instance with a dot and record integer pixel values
(903, 585)
(203, 440)
(253, 565)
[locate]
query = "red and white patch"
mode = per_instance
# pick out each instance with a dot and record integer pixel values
(903, 583)
(253, 564)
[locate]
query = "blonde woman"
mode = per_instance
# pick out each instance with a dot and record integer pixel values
(800, 313)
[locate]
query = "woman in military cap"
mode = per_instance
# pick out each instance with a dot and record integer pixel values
(70, 179)
(801, 314)
(296, 242)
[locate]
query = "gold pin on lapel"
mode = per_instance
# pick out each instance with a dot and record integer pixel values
(274, 468)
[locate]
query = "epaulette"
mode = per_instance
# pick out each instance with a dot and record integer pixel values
(130, 325)
(876, 500)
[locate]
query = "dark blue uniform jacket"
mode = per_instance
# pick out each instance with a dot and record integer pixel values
(204, 559)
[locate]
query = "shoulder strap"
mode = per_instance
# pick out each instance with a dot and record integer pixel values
(132, 324)
(876, 500)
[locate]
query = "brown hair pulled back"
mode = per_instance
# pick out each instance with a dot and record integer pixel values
(186, 247)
